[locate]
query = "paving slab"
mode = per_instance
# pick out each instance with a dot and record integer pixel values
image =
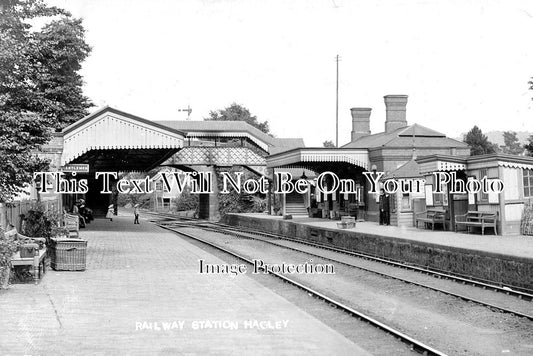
(142, 295)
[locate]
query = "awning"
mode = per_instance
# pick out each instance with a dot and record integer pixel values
(298, 157)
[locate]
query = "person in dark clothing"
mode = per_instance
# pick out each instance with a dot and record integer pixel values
(76, 211)
(136, 213)
(384, 208)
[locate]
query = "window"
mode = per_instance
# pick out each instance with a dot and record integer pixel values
(406, 202)
(483, 196)
(441, 199)
(166, 202)
(528, 183)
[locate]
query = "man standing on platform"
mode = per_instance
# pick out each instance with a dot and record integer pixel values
(384, 208)
(136, 214)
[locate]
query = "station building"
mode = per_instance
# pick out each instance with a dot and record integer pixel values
(111, 140)
(413, 151)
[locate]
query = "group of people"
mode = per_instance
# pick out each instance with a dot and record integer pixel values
(86, 215)
(83, 212)
(111, 210)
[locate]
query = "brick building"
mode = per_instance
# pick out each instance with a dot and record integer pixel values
(385, 151)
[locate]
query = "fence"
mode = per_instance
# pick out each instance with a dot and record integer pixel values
(10, 213)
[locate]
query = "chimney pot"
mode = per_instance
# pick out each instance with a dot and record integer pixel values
(360, 122)
(395, 112)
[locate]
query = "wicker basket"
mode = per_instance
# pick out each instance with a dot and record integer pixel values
(68, 254)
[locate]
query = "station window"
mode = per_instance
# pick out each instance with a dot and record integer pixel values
(528, 183)
(441, 199)
(166, 202)
(483, 196)
(406, 202)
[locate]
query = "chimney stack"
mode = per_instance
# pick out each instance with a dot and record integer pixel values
(395, 116)
(360, 122)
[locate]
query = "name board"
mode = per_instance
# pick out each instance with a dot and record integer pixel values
(78, 168)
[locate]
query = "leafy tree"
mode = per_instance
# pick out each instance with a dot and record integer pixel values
(40, 88)
(188, 201)
(328, 144)
(234, 202)
(236, 112)
(478, 142)
(511, 143)
(529, 146)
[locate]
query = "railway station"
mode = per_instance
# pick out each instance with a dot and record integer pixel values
(257, 178)
(158, 278)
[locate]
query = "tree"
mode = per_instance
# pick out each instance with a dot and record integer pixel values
(40, 88)
(478, 142)
(328, 144)
(236, 112)
(529, 146)
(511, 143)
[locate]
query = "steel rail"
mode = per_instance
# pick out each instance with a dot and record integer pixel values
(224, 230)
(453, 294)
(414, 344)
(464, 280)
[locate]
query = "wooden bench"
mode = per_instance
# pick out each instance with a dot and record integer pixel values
(432, 216)
(72, 224)
(482, 219)
(37, 261)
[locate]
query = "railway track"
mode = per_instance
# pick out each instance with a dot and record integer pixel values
(271, 239)
(246, 234)
(518, 292)
(413, 343)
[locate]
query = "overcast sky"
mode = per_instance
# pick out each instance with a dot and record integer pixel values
(462, 63)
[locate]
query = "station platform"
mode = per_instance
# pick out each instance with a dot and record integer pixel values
(512, 245)
(500, 259)
(141, 294)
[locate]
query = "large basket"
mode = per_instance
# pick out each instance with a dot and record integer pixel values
(68, 254)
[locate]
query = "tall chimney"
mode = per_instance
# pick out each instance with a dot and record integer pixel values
(395, 116)
(360, 122)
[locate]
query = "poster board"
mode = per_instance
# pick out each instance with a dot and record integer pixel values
(429, 194)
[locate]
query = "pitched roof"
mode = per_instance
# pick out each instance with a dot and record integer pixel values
(419, 130)
(105, 109)
(212, 126)
(217, 126)
(285, 144)
(414, 135)
(406, 170)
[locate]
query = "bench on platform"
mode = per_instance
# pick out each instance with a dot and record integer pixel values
(72, 224)
(432, 216)
(481, 219)
(36, 260)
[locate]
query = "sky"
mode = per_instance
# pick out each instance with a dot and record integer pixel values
(462, 63)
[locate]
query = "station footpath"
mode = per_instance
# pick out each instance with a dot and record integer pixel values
(141, 295)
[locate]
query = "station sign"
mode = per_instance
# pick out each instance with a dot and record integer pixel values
(78, 168)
